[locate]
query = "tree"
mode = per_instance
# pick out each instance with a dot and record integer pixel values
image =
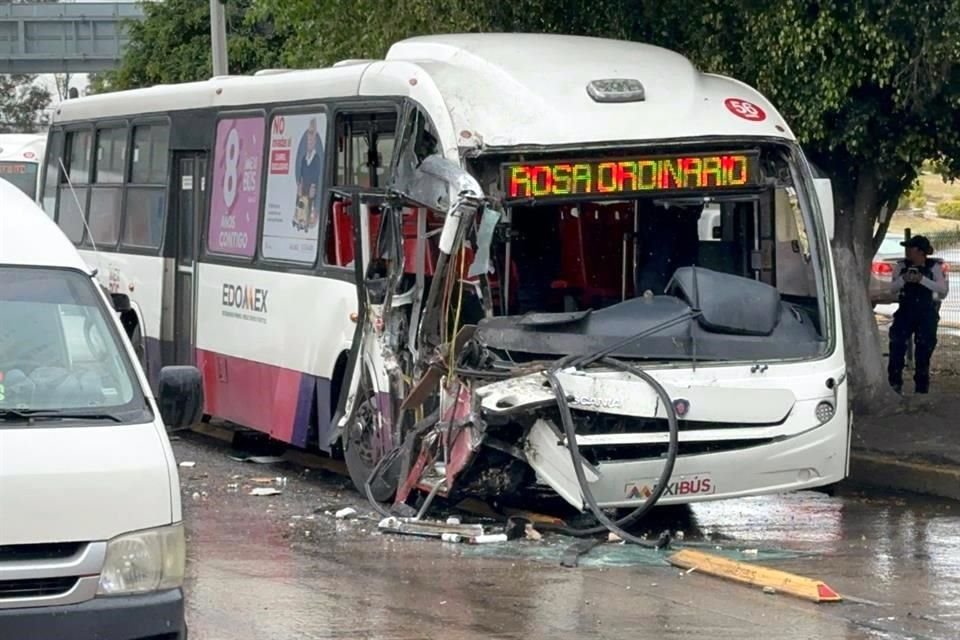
(21, 103)
(172, 44)
(872, 88)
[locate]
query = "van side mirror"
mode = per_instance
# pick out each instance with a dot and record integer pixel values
(120, 301)
(181, 396)
(825, 196)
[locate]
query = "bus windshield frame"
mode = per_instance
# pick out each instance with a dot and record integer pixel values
(25, 180)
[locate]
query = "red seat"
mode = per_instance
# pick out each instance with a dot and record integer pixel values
(592, 269)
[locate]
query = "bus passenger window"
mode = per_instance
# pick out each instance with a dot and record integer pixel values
(365, 149)
(73, 193)
(149, 164)
(104, 218)
(364, 155)
(146, 191)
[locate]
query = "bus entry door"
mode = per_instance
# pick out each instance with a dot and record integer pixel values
(190, 187)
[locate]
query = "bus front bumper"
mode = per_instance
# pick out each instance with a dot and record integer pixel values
(814, 458)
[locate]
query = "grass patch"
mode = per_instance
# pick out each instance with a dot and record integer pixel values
(937, 190)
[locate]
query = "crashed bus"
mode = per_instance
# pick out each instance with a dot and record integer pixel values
(497, 266)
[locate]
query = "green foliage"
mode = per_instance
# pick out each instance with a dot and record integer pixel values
(21, 102)
(172, 44)
(914, 197)
(949, 209)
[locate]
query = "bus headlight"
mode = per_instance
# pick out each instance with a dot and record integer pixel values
(143, 561)
(825, 412)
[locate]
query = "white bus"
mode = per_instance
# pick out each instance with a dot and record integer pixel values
(20, 157)
(520, 205)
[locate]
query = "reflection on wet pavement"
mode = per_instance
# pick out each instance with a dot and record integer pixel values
(282, 567)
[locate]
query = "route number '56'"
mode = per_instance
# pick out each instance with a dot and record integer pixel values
(744, 109)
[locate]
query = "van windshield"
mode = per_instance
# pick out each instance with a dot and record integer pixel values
(60, 356)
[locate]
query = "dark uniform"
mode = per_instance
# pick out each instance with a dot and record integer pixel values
(918, 315)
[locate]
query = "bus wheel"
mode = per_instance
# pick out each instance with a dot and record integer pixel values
(362, 450)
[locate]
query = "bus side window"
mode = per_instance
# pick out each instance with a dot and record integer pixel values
(364, 151)
(146, 188)
(107, 191)
(72, 201)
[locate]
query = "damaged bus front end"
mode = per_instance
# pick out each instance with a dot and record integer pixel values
(612, 329)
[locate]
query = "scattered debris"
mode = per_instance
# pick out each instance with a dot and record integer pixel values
(265, 491)
(187, 464)
(487, 538)
(257, 459)
(680, 535)
(453, 520)
(769, 590)
(233, 487)
(532, 534)
(344, 513)
(751, 552)
(612, 537)
(196, 495)
(429, 528)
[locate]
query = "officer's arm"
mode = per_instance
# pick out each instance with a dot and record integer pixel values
(937, 284)
(897, 283)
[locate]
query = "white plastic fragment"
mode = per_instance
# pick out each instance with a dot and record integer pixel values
(769, 590)
(187, 464)
(265, 491)
(751, 552)
(346, 512)
(488, 538)
(450, 537)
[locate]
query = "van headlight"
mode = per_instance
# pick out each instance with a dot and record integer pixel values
(150, 560)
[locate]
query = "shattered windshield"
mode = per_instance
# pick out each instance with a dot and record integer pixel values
(594, 250)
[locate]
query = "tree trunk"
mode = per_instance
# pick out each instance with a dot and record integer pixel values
(853, 253)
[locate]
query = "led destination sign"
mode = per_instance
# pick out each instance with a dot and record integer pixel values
(611, 177)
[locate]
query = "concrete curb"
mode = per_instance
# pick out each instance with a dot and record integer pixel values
(880, 471)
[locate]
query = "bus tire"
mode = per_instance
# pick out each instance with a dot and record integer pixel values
(360, 451)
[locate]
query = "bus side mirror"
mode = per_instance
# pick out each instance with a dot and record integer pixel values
(825, 196)
(180, 397)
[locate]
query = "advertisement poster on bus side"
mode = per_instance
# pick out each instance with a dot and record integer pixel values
(235, 205)
(291, 225)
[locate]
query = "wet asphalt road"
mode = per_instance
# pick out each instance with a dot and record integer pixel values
(279, 567)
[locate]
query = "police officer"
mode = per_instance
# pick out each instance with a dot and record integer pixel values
(921, 283)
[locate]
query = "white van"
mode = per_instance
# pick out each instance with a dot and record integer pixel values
(91, 533)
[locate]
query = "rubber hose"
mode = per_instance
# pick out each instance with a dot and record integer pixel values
(672, 450)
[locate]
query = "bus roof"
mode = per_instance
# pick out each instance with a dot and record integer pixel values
(22, 146)
(29, 238)
(497, 90)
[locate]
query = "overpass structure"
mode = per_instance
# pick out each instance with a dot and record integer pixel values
(63, 37)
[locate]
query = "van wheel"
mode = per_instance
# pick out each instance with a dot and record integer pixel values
(363, 447)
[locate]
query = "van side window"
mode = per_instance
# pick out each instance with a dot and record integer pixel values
(72, 202)
(105, 201)
(146, 191)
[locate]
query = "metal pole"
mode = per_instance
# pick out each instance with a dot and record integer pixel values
(218, 36)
